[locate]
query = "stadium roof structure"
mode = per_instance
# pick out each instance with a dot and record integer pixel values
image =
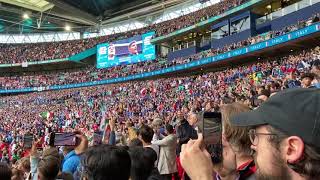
(34, 16)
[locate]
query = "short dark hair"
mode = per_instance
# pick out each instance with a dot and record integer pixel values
(309, 165)
(311, 76)
(135, 142)
(169, 128)
(5, 171)
(275, 85)
(65, 176)
(265, 92)
(143, 160)
(146, 133)
(25, 163)
(49, 167)
(105, 161)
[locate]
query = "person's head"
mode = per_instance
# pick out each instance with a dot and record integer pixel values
(5, 171)
(129, 124)
(146, 134)
(316, 70)
(135, 142)
(157, 123)
(105, 161)
(24, 164)
(286, 137)
(192, 119)
(274, 87)
(48, 168)
(307, 79)
(259, 89)
(67, 149)
(236, 136)
(17, 174)
(180, 115)
(169, 129)
(143, 160)
(264, 95)
(65, 176)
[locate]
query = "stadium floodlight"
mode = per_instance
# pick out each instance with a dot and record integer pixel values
(25, 16)
(67, 28)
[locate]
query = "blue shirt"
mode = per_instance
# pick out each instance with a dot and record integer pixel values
(70, 162)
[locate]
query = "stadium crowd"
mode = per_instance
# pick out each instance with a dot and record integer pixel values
(15, 53)
(161, 116)
(93, 74)
(152, 129)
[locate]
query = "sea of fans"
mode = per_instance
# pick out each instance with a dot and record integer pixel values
(150, 121)
(267, 111)
(12, 53)
(90, 74)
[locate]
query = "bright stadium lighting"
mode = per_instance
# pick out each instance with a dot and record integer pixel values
(67, 28)
(25, 16)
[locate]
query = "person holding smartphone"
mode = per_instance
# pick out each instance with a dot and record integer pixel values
(72, 154)
(237, 159)
(236, 163)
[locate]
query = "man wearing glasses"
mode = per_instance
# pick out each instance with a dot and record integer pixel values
(285, 138)
(286, 135)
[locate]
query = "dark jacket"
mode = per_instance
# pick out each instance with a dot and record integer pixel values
(185, 132)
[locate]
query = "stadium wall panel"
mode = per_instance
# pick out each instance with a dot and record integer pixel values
(289, 19)
(231, 39)
(182, 53)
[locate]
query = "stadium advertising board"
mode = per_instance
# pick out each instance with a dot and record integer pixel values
(126, 51)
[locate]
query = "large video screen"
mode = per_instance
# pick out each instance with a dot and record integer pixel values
(126, 51)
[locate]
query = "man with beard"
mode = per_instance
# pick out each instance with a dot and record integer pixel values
(285, 138)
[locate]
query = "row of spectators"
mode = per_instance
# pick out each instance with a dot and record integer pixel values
(11, 53)
(195, 17)
(83, 107)
(156, 119)
(92, 74)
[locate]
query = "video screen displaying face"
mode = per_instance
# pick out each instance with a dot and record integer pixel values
(111, 51)
(133, 48)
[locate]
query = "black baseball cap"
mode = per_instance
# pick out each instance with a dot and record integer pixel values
(296, 112)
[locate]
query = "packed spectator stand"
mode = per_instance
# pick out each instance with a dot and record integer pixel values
(94, 74)
(11, 53)
(139, 103)
(150, 129)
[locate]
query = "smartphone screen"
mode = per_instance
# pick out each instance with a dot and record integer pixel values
(212, 135)
(27, 141)
(64, 139)
(97, 139)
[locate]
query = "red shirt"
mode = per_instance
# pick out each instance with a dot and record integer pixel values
(246, 170)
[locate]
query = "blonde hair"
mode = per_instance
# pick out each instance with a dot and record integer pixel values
(236, 136)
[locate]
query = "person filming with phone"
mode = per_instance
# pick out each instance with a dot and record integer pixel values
(230, 154)
(284, 134)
